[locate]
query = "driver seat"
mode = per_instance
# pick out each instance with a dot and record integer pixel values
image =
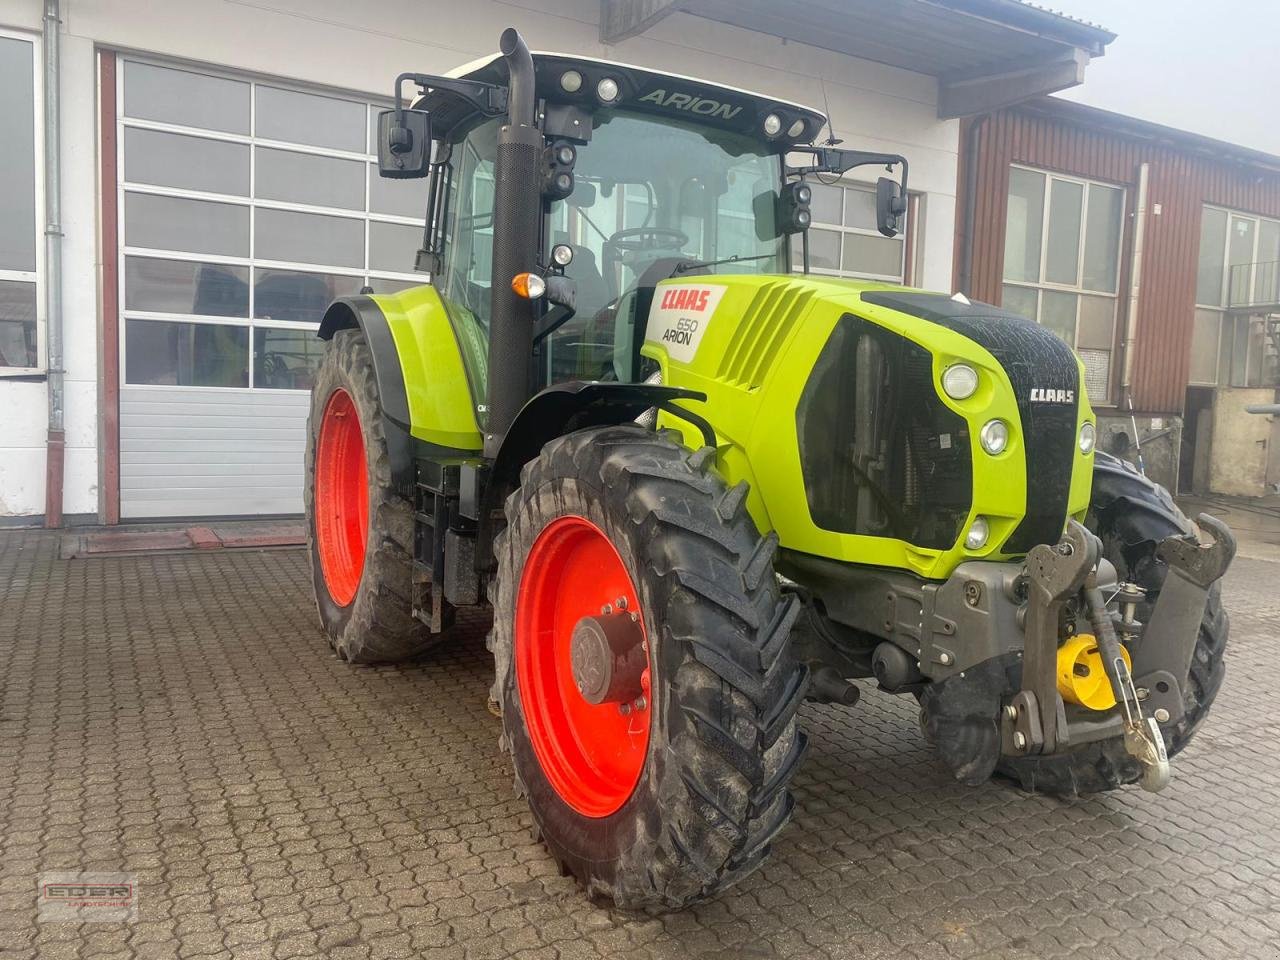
(593, 292)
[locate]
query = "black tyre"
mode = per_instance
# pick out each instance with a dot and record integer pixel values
(1132, 515)
(672, 786)
(359, 529)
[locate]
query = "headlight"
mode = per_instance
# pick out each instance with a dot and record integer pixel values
(994, 436)
(960, 381)
(772, 125)
(607, 90)
(571, 81)
(1088, 436)
(795, 129)
(976, 538)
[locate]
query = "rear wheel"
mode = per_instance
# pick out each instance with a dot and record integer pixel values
(647, 687)
(359, 528)
(1131, 515)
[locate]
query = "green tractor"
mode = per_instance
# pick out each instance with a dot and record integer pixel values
(698, 485)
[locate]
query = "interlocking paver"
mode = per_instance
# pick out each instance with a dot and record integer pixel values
(180, 716)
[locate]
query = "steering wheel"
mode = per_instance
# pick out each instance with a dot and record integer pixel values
(638, 245)
(645, 239)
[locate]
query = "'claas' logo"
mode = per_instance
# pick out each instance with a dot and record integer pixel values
(685, 298)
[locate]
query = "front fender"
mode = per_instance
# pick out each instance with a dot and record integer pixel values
(561, 409)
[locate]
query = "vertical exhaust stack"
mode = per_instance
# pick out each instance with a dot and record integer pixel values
(517, 204)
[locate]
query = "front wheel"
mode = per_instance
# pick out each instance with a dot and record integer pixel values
(648, 690)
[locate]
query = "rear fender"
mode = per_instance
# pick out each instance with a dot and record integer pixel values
(429, 390)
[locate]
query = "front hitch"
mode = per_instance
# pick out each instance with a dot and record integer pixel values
(1142, 737)
(1035, 721)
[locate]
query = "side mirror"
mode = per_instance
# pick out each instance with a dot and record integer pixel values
(404, 143)
(890, 206)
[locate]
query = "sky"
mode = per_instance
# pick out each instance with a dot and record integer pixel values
(1208, 66)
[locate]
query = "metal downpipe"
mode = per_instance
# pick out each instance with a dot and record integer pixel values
(1135, 281)
(55, 444)
(965, 280)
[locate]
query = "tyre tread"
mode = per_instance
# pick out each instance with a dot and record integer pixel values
(738, 688)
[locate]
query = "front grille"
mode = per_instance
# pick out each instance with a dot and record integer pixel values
(881, 454)
(1034, 360)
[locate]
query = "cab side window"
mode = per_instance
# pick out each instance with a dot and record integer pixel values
(468, 254)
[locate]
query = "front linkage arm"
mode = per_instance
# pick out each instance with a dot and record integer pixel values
(1034, 719)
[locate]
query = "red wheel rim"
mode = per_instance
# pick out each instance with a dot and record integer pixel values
(591, 753)
(341, 498)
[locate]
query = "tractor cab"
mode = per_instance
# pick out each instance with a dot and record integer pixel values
(644, 177)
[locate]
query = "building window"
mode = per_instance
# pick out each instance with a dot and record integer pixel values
(1062, 263)
(1238, 266)
(21, 248)
(844, 241)
(247, 207)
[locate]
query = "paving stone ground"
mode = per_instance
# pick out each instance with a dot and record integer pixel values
(180, 717)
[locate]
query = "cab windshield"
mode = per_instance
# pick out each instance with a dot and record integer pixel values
(649, 196)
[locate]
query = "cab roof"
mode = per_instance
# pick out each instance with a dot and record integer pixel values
(645, 91)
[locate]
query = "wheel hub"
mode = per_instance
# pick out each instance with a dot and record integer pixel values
(608, 658)
(582, 666)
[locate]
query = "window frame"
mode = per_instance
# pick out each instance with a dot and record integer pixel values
(364, 274)
(1041, 285)
(37, 276)
(1228, 320)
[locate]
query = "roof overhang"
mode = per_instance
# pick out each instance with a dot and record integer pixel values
(985, 54)
(1119, 125)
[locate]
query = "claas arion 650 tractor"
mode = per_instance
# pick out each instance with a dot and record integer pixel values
(698, 485)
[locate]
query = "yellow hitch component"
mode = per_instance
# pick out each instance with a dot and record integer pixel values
(1081, 676)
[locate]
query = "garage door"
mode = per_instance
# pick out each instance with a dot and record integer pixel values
(245, 205)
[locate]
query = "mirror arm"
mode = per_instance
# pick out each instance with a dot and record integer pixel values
(831, 160)
(553, 320)
(488, 98)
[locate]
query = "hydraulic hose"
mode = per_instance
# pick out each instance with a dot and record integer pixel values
(1104, 632)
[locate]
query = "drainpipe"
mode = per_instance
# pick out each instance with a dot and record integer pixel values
(1135, 283)
(53, 268)
(965, 283)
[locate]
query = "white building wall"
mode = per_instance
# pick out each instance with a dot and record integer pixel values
(361, 47)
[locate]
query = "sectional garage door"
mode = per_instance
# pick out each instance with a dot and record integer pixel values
(245, 206)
